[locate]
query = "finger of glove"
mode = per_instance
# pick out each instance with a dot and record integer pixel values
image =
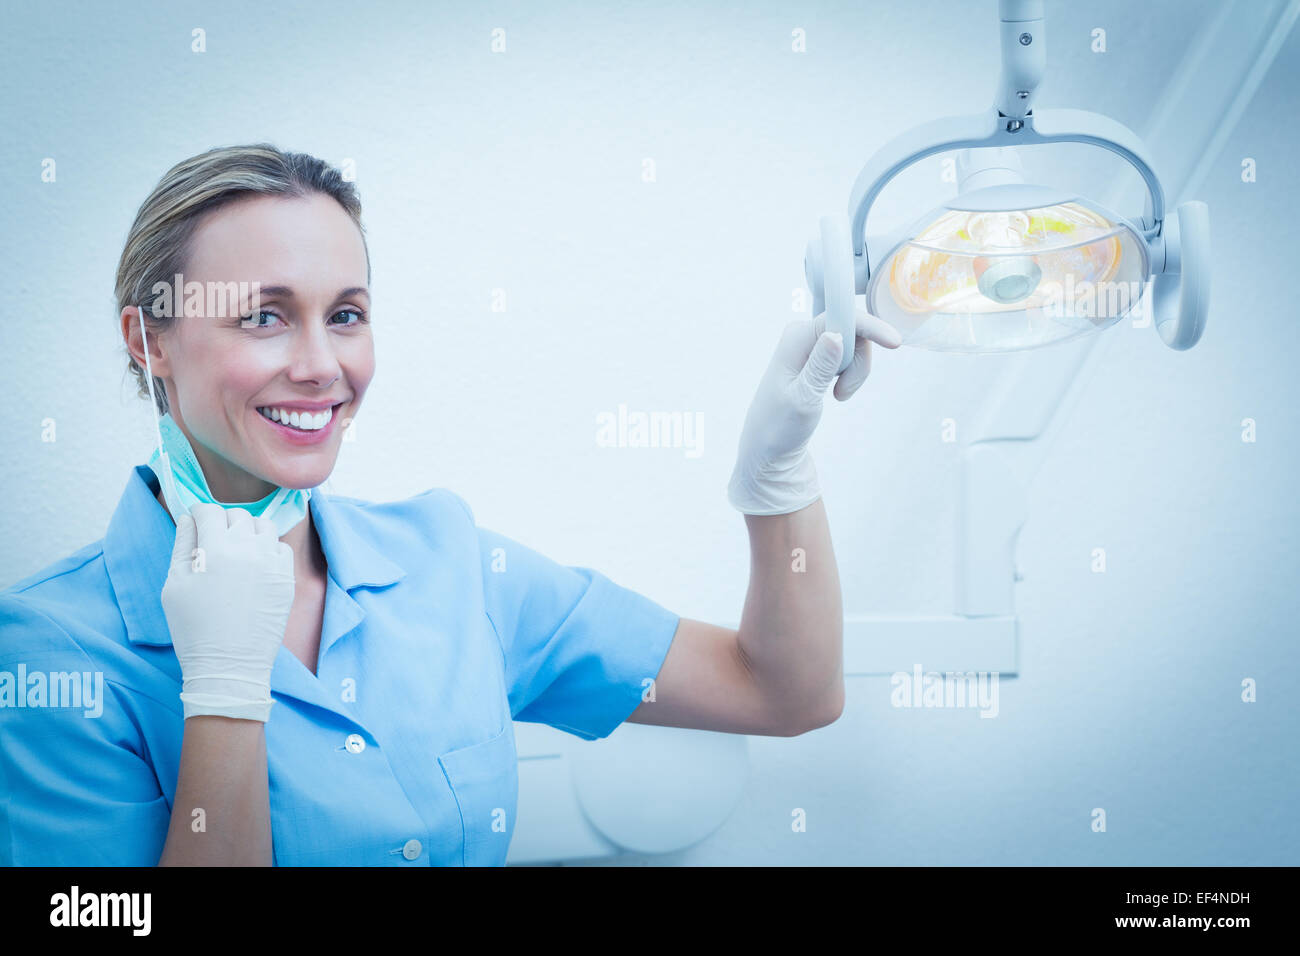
(867, 326)
(822, 365)
(868, 329)
(797, 341)
(210, 522)
(265, 528)
(239, 521)
(187, 539)
(285, 554)
(851, 378)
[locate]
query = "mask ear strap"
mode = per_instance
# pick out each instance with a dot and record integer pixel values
(173, 499)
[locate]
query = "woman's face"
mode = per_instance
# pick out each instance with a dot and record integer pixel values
(307, 348)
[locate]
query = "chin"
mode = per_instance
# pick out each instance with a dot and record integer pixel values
(304, 476)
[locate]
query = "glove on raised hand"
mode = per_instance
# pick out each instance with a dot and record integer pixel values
(774, 472)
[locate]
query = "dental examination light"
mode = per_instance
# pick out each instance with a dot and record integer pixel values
(1009, 265)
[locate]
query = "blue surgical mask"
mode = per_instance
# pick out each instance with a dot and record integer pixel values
(182, 480)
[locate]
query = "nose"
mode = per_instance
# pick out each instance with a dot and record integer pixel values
(313, 361)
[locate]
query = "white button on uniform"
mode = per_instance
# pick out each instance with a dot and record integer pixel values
(355, 743)
(412, 849)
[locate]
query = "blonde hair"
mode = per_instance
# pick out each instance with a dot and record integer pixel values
(158, 244)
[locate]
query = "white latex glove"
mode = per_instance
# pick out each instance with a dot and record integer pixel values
(227, 607)
(774, 473)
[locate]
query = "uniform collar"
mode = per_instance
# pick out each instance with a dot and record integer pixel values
(138, 549)
(137, 553)
(345, 537)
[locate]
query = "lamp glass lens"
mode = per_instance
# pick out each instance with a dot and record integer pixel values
(1008, 280)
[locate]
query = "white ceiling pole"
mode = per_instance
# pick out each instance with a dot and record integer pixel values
(1024, 55)
(1197, 111)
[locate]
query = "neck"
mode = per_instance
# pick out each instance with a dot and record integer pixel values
(308, 558)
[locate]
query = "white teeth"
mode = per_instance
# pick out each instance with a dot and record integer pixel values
(303, 421)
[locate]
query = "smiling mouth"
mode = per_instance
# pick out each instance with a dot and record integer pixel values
(302, 421)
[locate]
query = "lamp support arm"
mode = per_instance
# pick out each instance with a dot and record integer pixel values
(1023, 33)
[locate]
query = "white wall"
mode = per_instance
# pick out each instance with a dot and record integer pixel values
(522, 171)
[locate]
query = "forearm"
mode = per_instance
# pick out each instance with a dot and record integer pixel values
(792, 628)
(223, 773)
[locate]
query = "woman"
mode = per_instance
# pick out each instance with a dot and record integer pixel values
(291, 677)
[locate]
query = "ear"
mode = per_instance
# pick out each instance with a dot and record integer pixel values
(158, 361)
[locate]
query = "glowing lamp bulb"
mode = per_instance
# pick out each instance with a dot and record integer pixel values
(996, 280)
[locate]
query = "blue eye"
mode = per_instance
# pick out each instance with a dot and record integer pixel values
(360, 317)
(256, 325)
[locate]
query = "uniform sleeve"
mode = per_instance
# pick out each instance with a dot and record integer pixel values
(73, 791)
(579, 649)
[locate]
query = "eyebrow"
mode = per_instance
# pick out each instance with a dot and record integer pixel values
(284, 291)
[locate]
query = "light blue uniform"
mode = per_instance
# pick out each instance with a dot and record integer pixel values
(399, 751)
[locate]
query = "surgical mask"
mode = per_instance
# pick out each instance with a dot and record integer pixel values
(182, 480)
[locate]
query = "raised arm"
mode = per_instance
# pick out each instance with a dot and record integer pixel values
(228, 595)
(782, 672)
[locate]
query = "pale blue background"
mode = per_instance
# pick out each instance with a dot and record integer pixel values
(522, 171)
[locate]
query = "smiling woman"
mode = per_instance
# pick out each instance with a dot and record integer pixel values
(295, 677)
(229, 583)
